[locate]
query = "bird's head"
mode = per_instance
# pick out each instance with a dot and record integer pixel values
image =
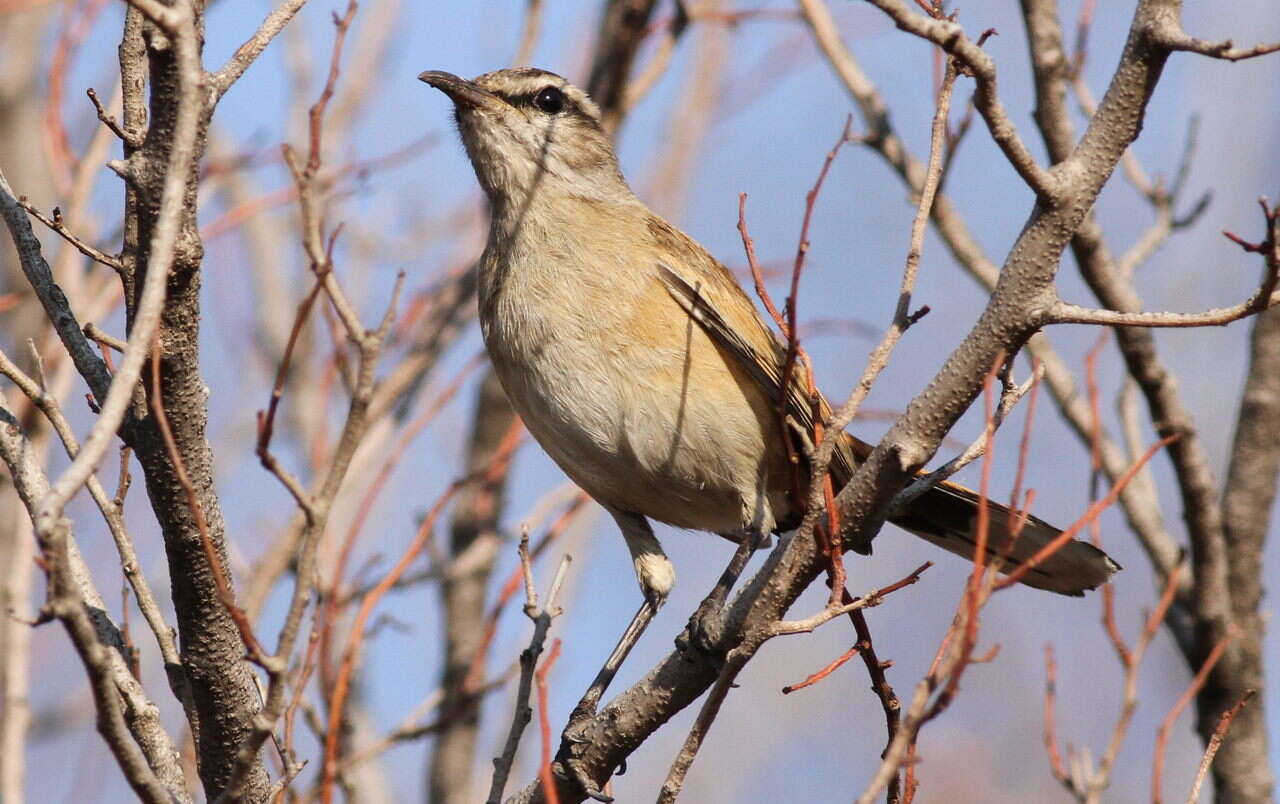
(531, 133)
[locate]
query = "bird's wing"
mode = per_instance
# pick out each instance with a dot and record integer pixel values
(946, 514)
(717, 303)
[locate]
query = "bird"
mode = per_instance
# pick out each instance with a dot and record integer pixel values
(642, 367)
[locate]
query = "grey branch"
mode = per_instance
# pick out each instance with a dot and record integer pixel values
(55, 303)
(541, 617)
(950, 37)
(128, 721)
(221, 80)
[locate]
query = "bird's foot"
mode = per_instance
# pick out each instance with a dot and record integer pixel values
(705, 628)
(575, 731)
(584, 781)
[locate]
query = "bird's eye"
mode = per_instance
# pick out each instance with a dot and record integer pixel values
(549, 100)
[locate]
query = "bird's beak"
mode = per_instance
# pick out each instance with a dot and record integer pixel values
(463, 92)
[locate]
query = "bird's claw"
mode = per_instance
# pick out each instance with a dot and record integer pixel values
(584, 781)
(705, 629)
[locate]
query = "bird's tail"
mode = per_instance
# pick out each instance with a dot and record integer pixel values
(947, 515)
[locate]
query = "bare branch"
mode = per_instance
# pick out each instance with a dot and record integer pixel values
(1009, 397)
(56, 306)
(951, 38)
(1264, 298)
(1215, 742)
(1176, 39)
(55, 224)
(108, 120)
(147, 317)
(221, 80)
(133, 734)
(541, 617)
(110, 509)
(1162, 734)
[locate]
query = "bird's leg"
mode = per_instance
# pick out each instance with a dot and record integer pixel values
(587, 706)
(656, 577)
(705, 626)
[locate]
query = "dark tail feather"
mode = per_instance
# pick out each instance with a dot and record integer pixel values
(947, 515)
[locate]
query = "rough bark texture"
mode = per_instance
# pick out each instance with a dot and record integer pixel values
(222, 696)
(1242, 771)
(463, 595)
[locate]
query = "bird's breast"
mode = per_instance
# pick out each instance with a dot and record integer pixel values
(621, 387)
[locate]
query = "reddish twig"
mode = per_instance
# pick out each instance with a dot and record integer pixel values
(1211, 750)
(1087, 782)
(1093, 394)
(1094, 510)
(802, 250)
(267, 419)
(309, 662)
(749, 245)
(1019, 504)
(316, 114)
(225, 595)
(1193, 689)
(826, 671)
(852, 607)
(977, 589)
(341, 687)
(333, 596)
(74, 29)
(544, 724)
(1050, 717)
(1016, 503)
(1095, 410)
(790, 329)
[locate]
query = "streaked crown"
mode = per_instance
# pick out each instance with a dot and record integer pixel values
(530, 131)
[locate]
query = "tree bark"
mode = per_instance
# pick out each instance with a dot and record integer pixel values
(221, 696)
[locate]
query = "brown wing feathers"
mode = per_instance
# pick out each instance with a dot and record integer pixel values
(946, 514)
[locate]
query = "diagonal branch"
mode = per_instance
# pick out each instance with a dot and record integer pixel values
(949, 36)
(56, 306)
(221, 80)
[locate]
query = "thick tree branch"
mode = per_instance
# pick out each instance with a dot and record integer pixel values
(1205, 611)
(1024, 289)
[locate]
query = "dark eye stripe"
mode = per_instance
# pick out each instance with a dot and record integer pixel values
(571, 107)
(526, 99)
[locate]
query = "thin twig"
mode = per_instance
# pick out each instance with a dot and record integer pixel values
(1215, 742)
(544, 723)
(522, 714)
(1184, 700)
(56, 224)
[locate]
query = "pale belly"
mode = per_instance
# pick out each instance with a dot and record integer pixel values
(660, 430)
